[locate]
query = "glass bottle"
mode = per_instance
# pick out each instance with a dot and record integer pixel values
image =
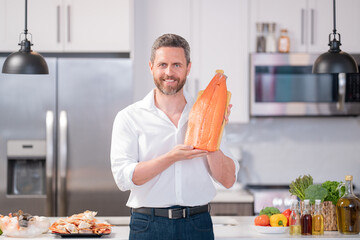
(260, 39)
(348, 210)
(305, 219)
(284, 41)
(317, 219)
(270, 38)
(294, 219)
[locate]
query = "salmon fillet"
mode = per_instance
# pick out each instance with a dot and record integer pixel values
(206, 118)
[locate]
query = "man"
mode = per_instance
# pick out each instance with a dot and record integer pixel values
(171, 183)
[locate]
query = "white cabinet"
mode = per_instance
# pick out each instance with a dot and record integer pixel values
(219, 41)
(217, 33)
(309, 22)
(69, 25)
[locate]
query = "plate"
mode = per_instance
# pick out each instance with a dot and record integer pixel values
(274, 230)
(80, 235)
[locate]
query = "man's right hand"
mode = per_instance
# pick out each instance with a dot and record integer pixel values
(185, 152)
(145, 171)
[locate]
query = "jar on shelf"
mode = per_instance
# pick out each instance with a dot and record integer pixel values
(260, 38)
(284, 41)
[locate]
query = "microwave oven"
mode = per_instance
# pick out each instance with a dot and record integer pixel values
(284, 85)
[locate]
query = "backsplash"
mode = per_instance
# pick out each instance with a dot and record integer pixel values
(278, 150)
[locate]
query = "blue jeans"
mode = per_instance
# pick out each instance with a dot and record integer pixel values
(150, 227)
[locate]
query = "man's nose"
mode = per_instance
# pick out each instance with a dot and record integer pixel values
(169, 70)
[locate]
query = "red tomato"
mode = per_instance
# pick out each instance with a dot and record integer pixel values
(287, 213)
(262, 220)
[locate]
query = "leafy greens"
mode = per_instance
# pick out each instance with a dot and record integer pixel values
(335, 191)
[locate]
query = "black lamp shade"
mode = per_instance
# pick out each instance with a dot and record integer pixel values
(23, 62)
(335, 62)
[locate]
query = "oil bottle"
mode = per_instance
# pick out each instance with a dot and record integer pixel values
(348, 210)
(306, 219)
(317, 219)
(294, 219)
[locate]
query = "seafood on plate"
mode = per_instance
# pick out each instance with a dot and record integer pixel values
(85, 223)
(22, 224)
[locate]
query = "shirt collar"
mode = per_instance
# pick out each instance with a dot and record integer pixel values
(148, 102)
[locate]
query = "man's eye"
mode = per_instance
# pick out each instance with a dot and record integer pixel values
(163, 65)
(177, 65)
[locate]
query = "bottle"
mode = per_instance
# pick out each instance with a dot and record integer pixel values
(317, 219)
(260, 39)
(348, 210)
(294, 219)
(305, 219)
(270, 38)
(284, 41)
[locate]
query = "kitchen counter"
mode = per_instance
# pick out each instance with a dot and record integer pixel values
(224, 228)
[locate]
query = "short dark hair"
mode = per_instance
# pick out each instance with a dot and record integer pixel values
(170, 40)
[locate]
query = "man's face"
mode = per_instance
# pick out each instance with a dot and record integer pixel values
(170, 69)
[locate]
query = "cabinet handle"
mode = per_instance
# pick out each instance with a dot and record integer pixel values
(68, 23)
(302, 26)
(312, 26)
(58, 23)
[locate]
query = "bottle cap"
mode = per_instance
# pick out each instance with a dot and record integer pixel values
(220, 71)
(318, 201)
(306, 201)
(348, 178)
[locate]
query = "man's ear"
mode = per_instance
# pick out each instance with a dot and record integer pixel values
(188, 69)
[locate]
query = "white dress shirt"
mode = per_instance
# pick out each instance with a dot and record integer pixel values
(142, 132)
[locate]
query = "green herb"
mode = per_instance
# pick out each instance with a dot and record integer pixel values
(298, 186)
(335, 191)
(269, 211)
(315, 191)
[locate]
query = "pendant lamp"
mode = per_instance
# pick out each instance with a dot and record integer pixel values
(25, 61)
(335, 60)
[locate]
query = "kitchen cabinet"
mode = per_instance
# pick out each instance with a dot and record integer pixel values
(309, 22)
(215, 42)
(68, 25)
(219, 41)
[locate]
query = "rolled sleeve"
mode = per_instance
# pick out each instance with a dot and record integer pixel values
(124, 152)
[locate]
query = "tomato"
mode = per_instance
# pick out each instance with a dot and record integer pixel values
(287, 213)
(262, 220)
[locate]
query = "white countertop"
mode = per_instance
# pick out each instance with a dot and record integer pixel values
(236, 194)
(224, 228)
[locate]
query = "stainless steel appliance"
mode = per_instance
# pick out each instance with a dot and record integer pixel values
(55, 135)
(283, 85)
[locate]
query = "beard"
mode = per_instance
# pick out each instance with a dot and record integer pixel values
(169, 90)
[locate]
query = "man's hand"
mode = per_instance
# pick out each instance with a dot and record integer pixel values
(228, 113)
(183, 152)
(145, 171)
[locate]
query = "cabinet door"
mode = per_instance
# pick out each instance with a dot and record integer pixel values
(288, 14)
(347, 18)
(320, 25)
(153, 19)
(12, 15)
(347, 24)
(220, 42)
(97, 26)
(45, 19)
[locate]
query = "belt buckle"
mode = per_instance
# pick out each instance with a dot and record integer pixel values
(171, 215)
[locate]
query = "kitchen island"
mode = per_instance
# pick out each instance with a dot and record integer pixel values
(224, 228)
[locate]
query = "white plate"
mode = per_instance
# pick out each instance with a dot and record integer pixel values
(276, 230)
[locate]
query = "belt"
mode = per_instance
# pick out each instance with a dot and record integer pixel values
(173, 213)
